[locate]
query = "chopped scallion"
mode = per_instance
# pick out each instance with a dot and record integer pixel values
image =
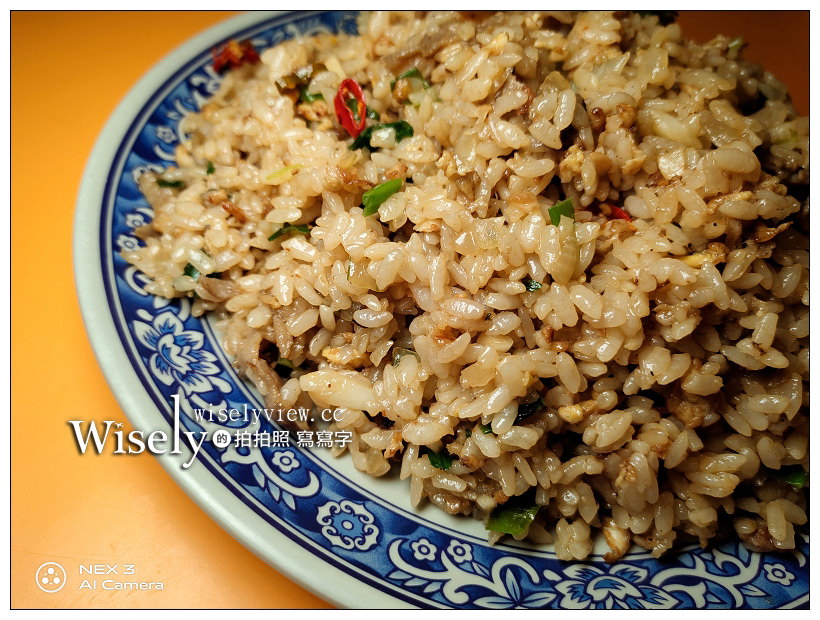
(442, 460)
(562, 208)
(530, 284)
(411, 74)
(399, 352)
(191, 271)
(525, 410)
(306, 97)
(353, 105)
(374, 198)
(403, 130)
(290, 228)
(486, 429)
(172, 184)
(210, 169)
(513, 517)
(372, 114)
(795, 476)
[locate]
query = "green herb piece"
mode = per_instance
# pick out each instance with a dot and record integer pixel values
(525, 410)
(374, 198)
(353, 105)
(403, 130)
(210, 169)
(372, 114)
(410, 74)
(399, 352)
(664, 17)
(531, 285)
(564, 208)
(307, 97)
(172, 184)
(796, 476)
(485, 428)
(515, 516)
(302, 229)
(191, 271)
(468, 433)
(442, 460)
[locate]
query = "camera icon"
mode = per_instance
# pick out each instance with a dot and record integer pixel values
(50, 577)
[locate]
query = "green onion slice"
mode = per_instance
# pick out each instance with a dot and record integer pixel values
(173, 184)
(307, 97)
(302, 229)
(527, 409)
(374, 198)
(442, 460)
(485, 428)
(191, 271)
(353, 105)
(795, 476)
(562, 208)
(513, 517)
(410, 74)
(210, 169)
(531, 285)
(400, 352)
(403, 130)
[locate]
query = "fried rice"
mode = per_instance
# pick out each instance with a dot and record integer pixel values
(584, 310)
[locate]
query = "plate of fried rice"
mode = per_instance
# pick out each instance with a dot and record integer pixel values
(469, 310)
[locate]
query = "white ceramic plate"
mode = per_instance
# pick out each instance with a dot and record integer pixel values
(352, 540)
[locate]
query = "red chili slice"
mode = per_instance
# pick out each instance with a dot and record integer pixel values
(619, 214)
(350, 107)
(234, 54)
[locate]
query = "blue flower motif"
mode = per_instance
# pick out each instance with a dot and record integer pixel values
(134, 220)
(514, 597)
(460, 552)
(348, 525)
(177, 353)
(166, 134)
(423, 549)
(622, 587)
(286, 461)
(126, 242)
(777, 573)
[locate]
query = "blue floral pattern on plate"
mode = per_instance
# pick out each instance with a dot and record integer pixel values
(412, 559)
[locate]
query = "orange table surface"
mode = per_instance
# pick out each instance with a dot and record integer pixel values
(68, 72)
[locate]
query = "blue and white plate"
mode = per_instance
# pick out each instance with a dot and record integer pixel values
(351, 539)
